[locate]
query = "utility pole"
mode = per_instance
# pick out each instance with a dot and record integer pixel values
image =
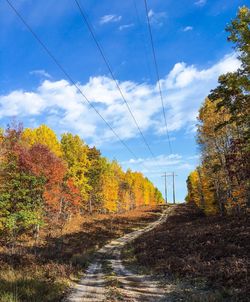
(173, 179)
(173, 175)
(166, 192)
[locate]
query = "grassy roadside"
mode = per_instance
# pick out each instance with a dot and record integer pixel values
(210, 254)
(45, 272)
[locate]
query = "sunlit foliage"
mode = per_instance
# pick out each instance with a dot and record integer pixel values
(222, 182)
(44, 181)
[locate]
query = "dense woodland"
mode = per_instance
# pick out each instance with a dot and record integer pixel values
(222, 181)
(44, 182)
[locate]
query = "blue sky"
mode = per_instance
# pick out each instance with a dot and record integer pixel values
(191, 49)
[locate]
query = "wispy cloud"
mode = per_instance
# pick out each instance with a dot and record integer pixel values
(151, 13)
(200, 2)
(155, 166)
(125, 26)
(156, 161)
(41, 72)
(194, 157)
(156, 18)
(59, 104)
(110, 19)
(188, 28)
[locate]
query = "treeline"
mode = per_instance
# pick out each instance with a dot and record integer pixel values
(44, 182)
(222, 181)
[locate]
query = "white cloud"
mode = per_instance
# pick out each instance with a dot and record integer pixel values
(150, 13)
(188, 28)
(156, 18)
(157, 161)
(200, 2)
(125, 26)
(158, 164)
(62, 107)
(21, 103)
(110, 19)
(182, 75)
(41, 72)
(194, 157)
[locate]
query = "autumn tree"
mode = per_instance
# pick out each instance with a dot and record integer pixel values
(75, 153)
(40, 161)
(42, 135)
(224, 131)
(138, 189)
(110, 187)
(158, 196)
(44, 182)
(233, 94)
(201, 191)
(21, 192)
(94, 178)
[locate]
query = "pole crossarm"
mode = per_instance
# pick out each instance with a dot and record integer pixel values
(165, 175)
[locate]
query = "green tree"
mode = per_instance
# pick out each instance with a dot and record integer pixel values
(21, 192)
(239, 34)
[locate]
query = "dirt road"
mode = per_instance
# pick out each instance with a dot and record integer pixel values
(106, 278)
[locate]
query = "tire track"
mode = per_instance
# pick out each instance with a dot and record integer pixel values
(94, 286)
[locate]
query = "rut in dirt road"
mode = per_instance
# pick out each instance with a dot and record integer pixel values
(95, 285)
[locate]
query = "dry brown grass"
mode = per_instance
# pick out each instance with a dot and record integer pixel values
(192, 246)
(44, 272)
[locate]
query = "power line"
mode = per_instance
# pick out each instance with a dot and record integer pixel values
(92, 32)
(157, 73)
(143, 37)
(166, 190)
(69, 77)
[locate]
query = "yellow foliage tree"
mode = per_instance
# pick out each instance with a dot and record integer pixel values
(42, 135)
(110, 187)
(75, 153)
